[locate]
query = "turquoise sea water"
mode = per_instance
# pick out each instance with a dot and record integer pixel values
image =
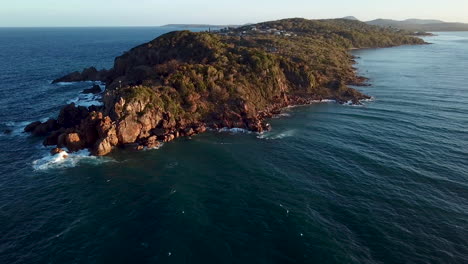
(386, 182)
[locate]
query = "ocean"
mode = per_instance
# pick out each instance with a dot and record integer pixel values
(385, 182)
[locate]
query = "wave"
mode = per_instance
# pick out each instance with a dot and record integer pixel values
(277, 135)
(67, 160)
(14, 128)
(324, 101)
(282, 115)
(234, 130)
(74, 83)
(361, 102)
(87, 100)
(153, 148)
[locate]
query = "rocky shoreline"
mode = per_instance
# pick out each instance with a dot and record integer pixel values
(78, 127)
(183, 83)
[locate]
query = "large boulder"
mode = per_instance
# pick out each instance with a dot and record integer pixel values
(152, 142)
(74, 142)
(128, 130)
(42, 129)
(107, 137)
(71, 115)
(52, 139)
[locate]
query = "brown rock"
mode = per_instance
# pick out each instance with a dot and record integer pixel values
(56, 151)
(200, 129)
(152, 142)
(128, 130)
(108, 138)
(104, 126)
(189, 132)
(88, 128)
(44, 128)
(140, 147)
(168, 137)
(61, 140)
(158, 131)
(73, 142)
(71, 116)
(52, 139)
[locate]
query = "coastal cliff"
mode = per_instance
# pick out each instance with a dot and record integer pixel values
(183, 83)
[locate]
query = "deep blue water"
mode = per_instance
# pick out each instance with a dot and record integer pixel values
(382, 183)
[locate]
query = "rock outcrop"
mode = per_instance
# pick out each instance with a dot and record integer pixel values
(88, 74)
(182, 83)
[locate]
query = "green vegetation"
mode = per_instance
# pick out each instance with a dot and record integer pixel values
(208, 76)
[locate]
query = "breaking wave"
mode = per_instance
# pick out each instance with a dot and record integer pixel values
(87, 100)
(234, 130)
(67, 160)
(14, 128)
(271, 135)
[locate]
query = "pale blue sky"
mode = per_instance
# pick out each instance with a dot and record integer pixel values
(159, 12)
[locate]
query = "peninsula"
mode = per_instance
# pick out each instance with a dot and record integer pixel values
(183, 83)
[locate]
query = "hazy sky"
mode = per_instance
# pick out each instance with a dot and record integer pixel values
(159, 12)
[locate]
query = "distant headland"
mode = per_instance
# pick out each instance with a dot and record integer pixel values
(198, 26)
(416, 25)
(183, 83)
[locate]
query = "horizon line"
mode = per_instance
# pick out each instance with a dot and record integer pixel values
(216, 24)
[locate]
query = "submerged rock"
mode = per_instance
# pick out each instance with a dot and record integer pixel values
(7, 131)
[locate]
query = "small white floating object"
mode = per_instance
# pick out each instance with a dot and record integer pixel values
(169, 254)
(302, 234)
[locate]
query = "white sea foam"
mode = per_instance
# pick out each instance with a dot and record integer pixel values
(65, 83)
(87, 100)
(14, 128)
(67, 160)
(325, 101)
(372, 99)
(350, 103)
(234, 130)
(74, 83)
(282, 115)
(277, 135)
(154, 148)
(313, 102)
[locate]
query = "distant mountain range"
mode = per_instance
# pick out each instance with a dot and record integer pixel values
(417, 24)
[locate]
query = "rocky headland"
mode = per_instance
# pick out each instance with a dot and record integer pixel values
(182, 83)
